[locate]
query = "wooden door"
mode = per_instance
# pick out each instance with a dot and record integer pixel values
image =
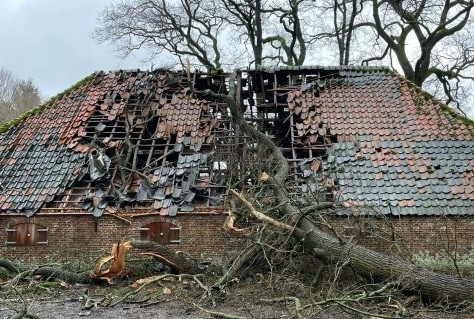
(27, 235)
(160, 232)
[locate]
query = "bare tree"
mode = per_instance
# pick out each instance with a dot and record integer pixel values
(429, 40)
(16, 96)
(247, 15)
(185, 28)
(7, 82)
(440, 30)
(344, 18)
(338, 28)
(291, 42)
(202, 29)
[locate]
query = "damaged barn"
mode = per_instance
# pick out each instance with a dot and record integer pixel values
(150, 155)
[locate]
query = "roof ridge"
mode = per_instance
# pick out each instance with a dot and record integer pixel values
(321, 68)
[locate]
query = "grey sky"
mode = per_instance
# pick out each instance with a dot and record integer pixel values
(49, 42)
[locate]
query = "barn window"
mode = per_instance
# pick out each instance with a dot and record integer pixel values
(27, 235)
(161, 232)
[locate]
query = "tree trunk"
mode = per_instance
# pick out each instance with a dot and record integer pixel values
(366, 262)
(177, 260)
(51, 272)
(373, 265)
(47, 272)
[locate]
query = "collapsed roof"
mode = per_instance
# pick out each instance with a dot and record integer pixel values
(134, 139)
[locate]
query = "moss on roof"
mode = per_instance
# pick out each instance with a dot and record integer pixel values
(442, 107)
(18, 120)
(467, 121)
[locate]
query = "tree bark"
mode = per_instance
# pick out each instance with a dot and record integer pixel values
(51, 272)
(177, 260)
(47, 272)
(370, 264)
(246, 255)
(432, 286)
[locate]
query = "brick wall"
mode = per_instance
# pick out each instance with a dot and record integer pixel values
(80, 235)
(71, 236)
(409, 234)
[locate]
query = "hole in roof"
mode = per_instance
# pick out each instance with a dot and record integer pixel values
(378, 149)
(151, 126)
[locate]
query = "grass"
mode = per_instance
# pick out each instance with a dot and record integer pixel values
(440, 263)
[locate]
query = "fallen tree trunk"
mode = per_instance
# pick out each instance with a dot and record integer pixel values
(47, 272)
(117, 262)
(370, 264)
(61, 274)
(177, 260)
(246, 255)
(8, 265)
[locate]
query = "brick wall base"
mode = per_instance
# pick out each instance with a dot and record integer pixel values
(74, 236)
(408, 235)
(81, 236)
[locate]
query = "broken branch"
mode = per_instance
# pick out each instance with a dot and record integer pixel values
(260, 216)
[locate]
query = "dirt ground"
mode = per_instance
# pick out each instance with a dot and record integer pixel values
(171, 301)
(174, 298)
(176, 302)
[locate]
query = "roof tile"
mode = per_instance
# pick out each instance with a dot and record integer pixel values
(401, 153)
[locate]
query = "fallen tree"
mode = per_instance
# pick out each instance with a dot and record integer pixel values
(108, 267)
(177, 260)
(330, 248)
(371, 264)
(24, 271)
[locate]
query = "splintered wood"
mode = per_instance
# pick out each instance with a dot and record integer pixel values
(116, 267)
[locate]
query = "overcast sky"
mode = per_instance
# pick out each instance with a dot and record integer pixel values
(49, 41)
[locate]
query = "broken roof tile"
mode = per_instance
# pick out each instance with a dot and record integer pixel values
(413, 147)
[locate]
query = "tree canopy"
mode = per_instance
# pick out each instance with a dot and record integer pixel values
(427, 41)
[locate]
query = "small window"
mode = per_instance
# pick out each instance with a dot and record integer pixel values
(161, 232)
(27, 235)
